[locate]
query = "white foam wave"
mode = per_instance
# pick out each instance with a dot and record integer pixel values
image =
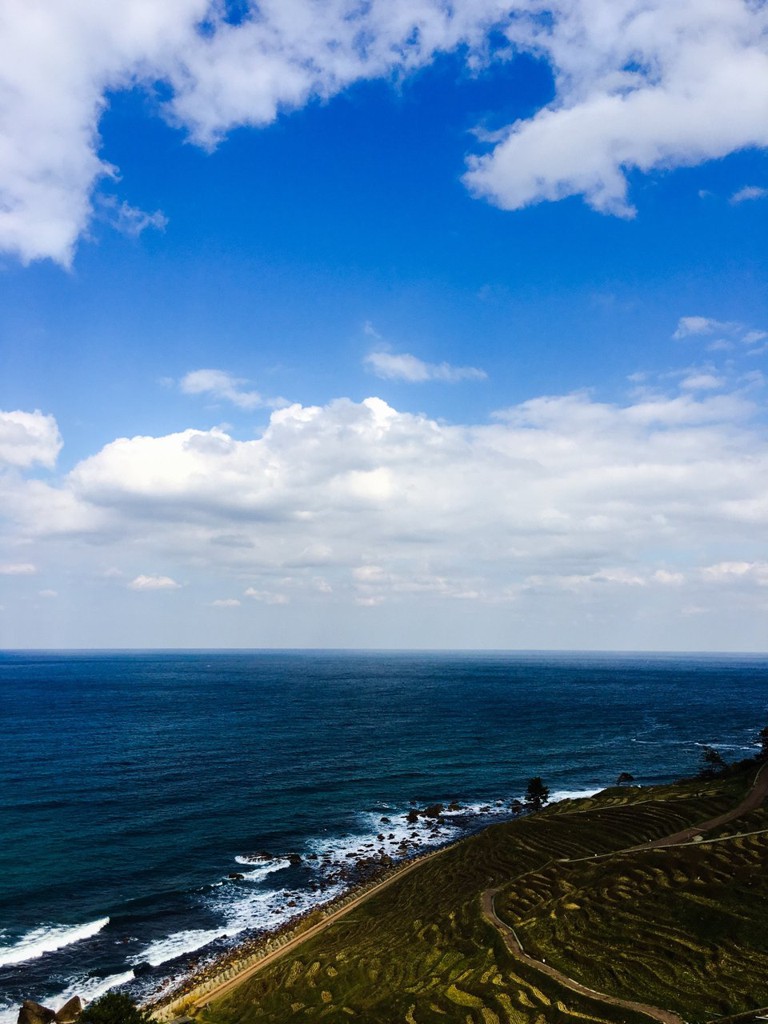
(162, 950)
(268, 909)
(573, 794)
(48, 939)
(91, 988)
(87, 988)
(262, 870)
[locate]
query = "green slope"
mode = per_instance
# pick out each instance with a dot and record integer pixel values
(678, 928)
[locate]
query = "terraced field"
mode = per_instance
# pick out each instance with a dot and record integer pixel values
(679, 928)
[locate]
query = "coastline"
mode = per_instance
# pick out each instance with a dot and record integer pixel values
(238, 964)
(224, 976)
(230, 969)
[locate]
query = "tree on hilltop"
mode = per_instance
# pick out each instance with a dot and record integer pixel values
(712, 763)
(537, 794)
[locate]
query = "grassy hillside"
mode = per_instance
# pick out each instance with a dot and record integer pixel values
(677, 928)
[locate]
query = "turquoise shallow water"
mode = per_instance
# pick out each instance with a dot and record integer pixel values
(130, 783)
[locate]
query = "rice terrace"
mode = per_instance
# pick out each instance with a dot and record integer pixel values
(636, 904)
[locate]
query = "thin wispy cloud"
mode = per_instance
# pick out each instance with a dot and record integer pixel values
(17, 569)
(129, 220)
(692, 326)
(728, 334)
(405, 367)
(154, 583)
(748, 194)
(224, 387)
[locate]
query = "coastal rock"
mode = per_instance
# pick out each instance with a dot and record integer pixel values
(143, 968)
(236, 876)
(33, 1013)
(70, 1011)
(294, 858)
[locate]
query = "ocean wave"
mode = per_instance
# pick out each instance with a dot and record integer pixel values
(262, 868)
(162, 950)
(47, 939)
(268, 909)
(574, 794)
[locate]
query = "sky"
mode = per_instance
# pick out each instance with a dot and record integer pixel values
(384, 324)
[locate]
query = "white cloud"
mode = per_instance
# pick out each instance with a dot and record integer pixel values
(668, 579)
(129, 220)
(27, 438)
(729, 572)
(403, 366)
(702, 326)
(701, 382)
(748, 193)
(225, 387)
(48, 593)
(560, 507)
(17, 569)
(154, 583)
(688, 326)
(640, 85)
(266, 596)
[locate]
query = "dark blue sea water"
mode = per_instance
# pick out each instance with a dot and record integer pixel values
(130, 783)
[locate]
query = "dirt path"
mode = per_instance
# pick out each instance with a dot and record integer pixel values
(512, 943)
(754, 798)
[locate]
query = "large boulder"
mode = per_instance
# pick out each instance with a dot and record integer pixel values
(33, 1013)
(70, 1011)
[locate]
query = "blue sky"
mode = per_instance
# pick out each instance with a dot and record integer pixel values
(445, 331)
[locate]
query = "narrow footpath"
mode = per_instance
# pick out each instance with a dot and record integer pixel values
(512, 943)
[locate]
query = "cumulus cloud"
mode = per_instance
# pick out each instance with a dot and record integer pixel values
(405, 367)
(154, 583)
(225, 387)
(27, 438)
(639, 85)
(559, 495)
(226, 602)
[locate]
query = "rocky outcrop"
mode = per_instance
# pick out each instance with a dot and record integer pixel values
(33, 1013)
(70, 1011)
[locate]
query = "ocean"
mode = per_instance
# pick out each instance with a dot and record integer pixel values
(134, 784)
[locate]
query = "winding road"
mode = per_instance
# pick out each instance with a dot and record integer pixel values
(754, 799)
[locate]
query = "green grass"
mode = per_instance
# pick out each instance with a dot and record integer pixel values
(674, 928)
